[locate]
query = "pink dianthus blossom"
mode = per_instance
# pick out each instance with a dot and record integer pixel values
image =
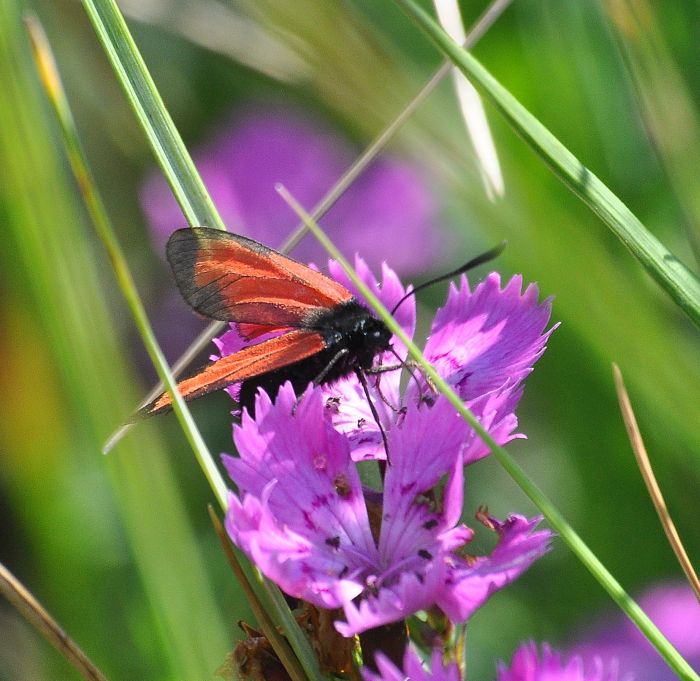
(549, 665)
(674, 608)
(301, 515)
(483, 342)
(389, 205)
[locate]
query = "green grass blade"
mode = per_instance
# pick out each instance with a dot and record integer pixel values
(278, 609)
(93, 520)
(672, 275)
(199, 210)
(472, 108)
(667, 107)
(95, 206)
(548, 509)
(34, 613)
(167, 145)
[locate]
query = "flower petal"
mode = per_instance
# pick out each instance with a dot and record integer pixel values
(529, 665)
(302, 518)
(413, 668)
(489, 338)
(471, 584)
(405, 597)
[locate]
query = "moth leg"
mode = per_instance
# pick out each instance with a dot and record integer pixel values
(409, 365)
(336, 358)
(377, 387)
(319, 379)
(363, 381)
(384, 368)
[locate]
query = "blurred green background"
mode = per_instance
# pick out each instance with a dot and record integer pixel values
(119, 548)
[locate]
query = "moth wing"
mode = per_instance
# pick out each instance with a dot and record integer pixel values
(251, 361)
(232, 278)
(250, 331)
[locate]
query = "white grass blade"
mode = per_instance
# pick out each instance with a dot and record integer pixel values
(472, 107)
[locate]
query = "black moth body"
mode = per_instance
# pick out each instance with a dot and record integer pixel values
(353, 337)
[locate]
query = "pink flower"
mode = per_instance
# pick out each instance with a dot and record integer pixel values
(413, 669)
(389, 207)
(529, 665)
(483, 342)
(674, 608)
(302, 517)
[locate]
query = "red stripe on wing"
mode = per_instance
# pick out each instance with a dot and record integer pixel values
(253, 360)
(251, 331)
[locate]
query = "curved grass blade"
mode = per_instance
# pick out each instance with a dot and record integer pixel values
(666, 269)
(472, 108)
(199, 210)
(153, 117)
(96, 209)
(645, 468)
(33, 612)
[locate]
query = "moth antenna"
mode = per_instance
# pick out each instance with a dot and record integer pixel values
(469, 265)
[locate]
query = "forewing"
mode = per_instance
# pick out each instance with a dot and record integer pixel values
(253, 360)
(229, 277)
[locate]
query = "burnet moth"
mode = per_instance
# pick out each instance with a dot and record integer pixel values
(323, 332)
